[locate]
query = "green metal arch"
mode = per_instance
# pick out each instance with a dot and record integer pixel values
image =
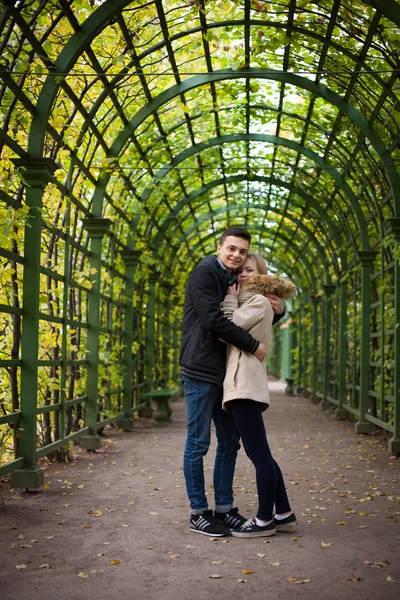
(237, 178)
(260, 137)
(295, 80)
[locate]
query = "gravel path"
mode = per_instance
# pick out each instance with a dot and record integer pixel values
(116, 521)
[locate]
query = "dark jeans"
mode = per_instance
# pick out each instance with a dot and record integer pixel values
(203, 405)
(247, 416)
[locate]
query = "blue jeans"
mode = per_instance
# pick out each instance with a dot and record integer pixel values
(203, 404)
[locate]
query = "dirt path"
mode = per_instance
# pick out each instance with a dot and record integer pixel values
(115, 523)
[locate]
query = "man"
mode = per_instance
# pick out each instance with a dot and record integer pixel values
(203, 360)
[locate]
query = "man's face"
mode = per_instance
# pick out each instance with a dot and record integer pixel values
(232, 253)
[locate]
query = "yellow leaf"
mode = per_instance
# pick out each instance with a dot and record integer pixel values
(361, 514)
(45, 566)
(100, 554)
(95, 513)
(294, 538)
(259, 555)
(173, 555)
(115, 562)
(81, 486)
(247, 572)
(390, 579)
(83, 574)
(21, 566)
(325, 545)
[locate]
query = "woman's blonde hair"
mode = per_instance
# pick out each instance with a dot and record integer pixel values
(260, 263)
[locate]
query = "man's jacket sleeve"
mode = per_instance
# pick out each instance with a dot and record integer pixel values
(204, 295)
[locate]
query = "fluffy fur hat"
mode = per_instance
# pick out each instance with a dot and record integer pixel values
(271, 284)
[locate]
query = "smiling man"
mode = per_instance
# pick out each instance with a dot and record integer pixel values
(202, 360)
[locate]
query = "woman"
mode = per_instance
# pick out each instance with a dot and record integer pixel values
(246, 392)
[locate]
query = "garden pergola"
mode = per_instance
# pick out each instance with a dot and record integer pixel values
(133, 133)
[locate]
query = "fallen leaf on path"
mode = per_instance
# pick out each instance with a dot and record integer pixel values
(154, 513)
(83, 574)
(217, 576)
(390, 579)
(247, 572)
(275, 564)
(326, 544)
(21, 566)
(115, 562)
(294, 538)
(260, 555)
(95, 513)
(218, 562)
(355, 579)
(242, 580)
(173, 555)
(100, 554)
(45, 566)
(26, 546)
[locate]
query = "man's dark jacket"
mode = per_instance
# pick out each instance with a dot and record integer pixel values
(203, 356)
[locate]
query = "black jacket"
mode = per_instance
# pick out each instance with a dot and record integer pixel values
(203, 356)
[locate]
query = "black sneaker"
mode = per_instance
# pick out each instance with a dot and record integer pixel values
(207, 524)
(285, 524)
(231, 519)
(250, 529)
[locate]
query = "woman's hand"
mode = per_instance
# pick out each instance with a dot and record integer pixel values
(234, 290)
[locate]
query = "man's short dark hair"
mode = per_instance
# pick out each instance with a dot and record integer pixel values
(237, 232)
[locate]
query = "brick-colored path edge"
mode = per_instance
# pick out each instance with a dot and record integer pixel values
(114, 524)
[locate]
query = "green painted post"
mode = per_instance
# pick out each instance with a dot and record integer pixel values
(36, 173)
(96, 228)
(147, 411)
(315, 302)
(394, 442)
(366, 259)
(166, 330)
(299, 346)
(175, 343)
(287, 350)
(328, 289)
(341, 412)
(130, 258)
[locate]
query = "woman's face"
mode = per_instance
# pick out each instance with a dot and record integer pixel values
(245, 273)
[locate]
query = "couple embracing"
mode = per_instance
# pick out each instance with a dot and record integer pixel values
(230, 305)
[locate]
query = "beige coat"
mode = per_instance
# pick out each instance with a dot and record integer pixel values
(246, 376)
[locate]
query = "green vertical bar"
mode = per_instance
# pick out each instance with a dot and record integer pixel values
(299, 346)
(147, 411)
(96, 228)
(287, 350)
(366, 259)
(315, 302)
(328, 289)
(175, 347)
(394, 442)
(166, 330)
(36, 173)
(130, 258)
(341, 412)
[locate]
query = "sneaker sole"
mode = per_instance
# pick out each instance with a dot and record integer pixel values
(193, 530)
(286, 526)
(251, 534)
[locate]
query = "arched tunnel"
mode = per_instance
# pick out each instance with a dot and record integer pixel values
(133, 134)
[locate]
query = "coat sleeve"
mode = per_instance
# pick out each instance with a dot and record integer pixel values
(203, 289)
(252, 312)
